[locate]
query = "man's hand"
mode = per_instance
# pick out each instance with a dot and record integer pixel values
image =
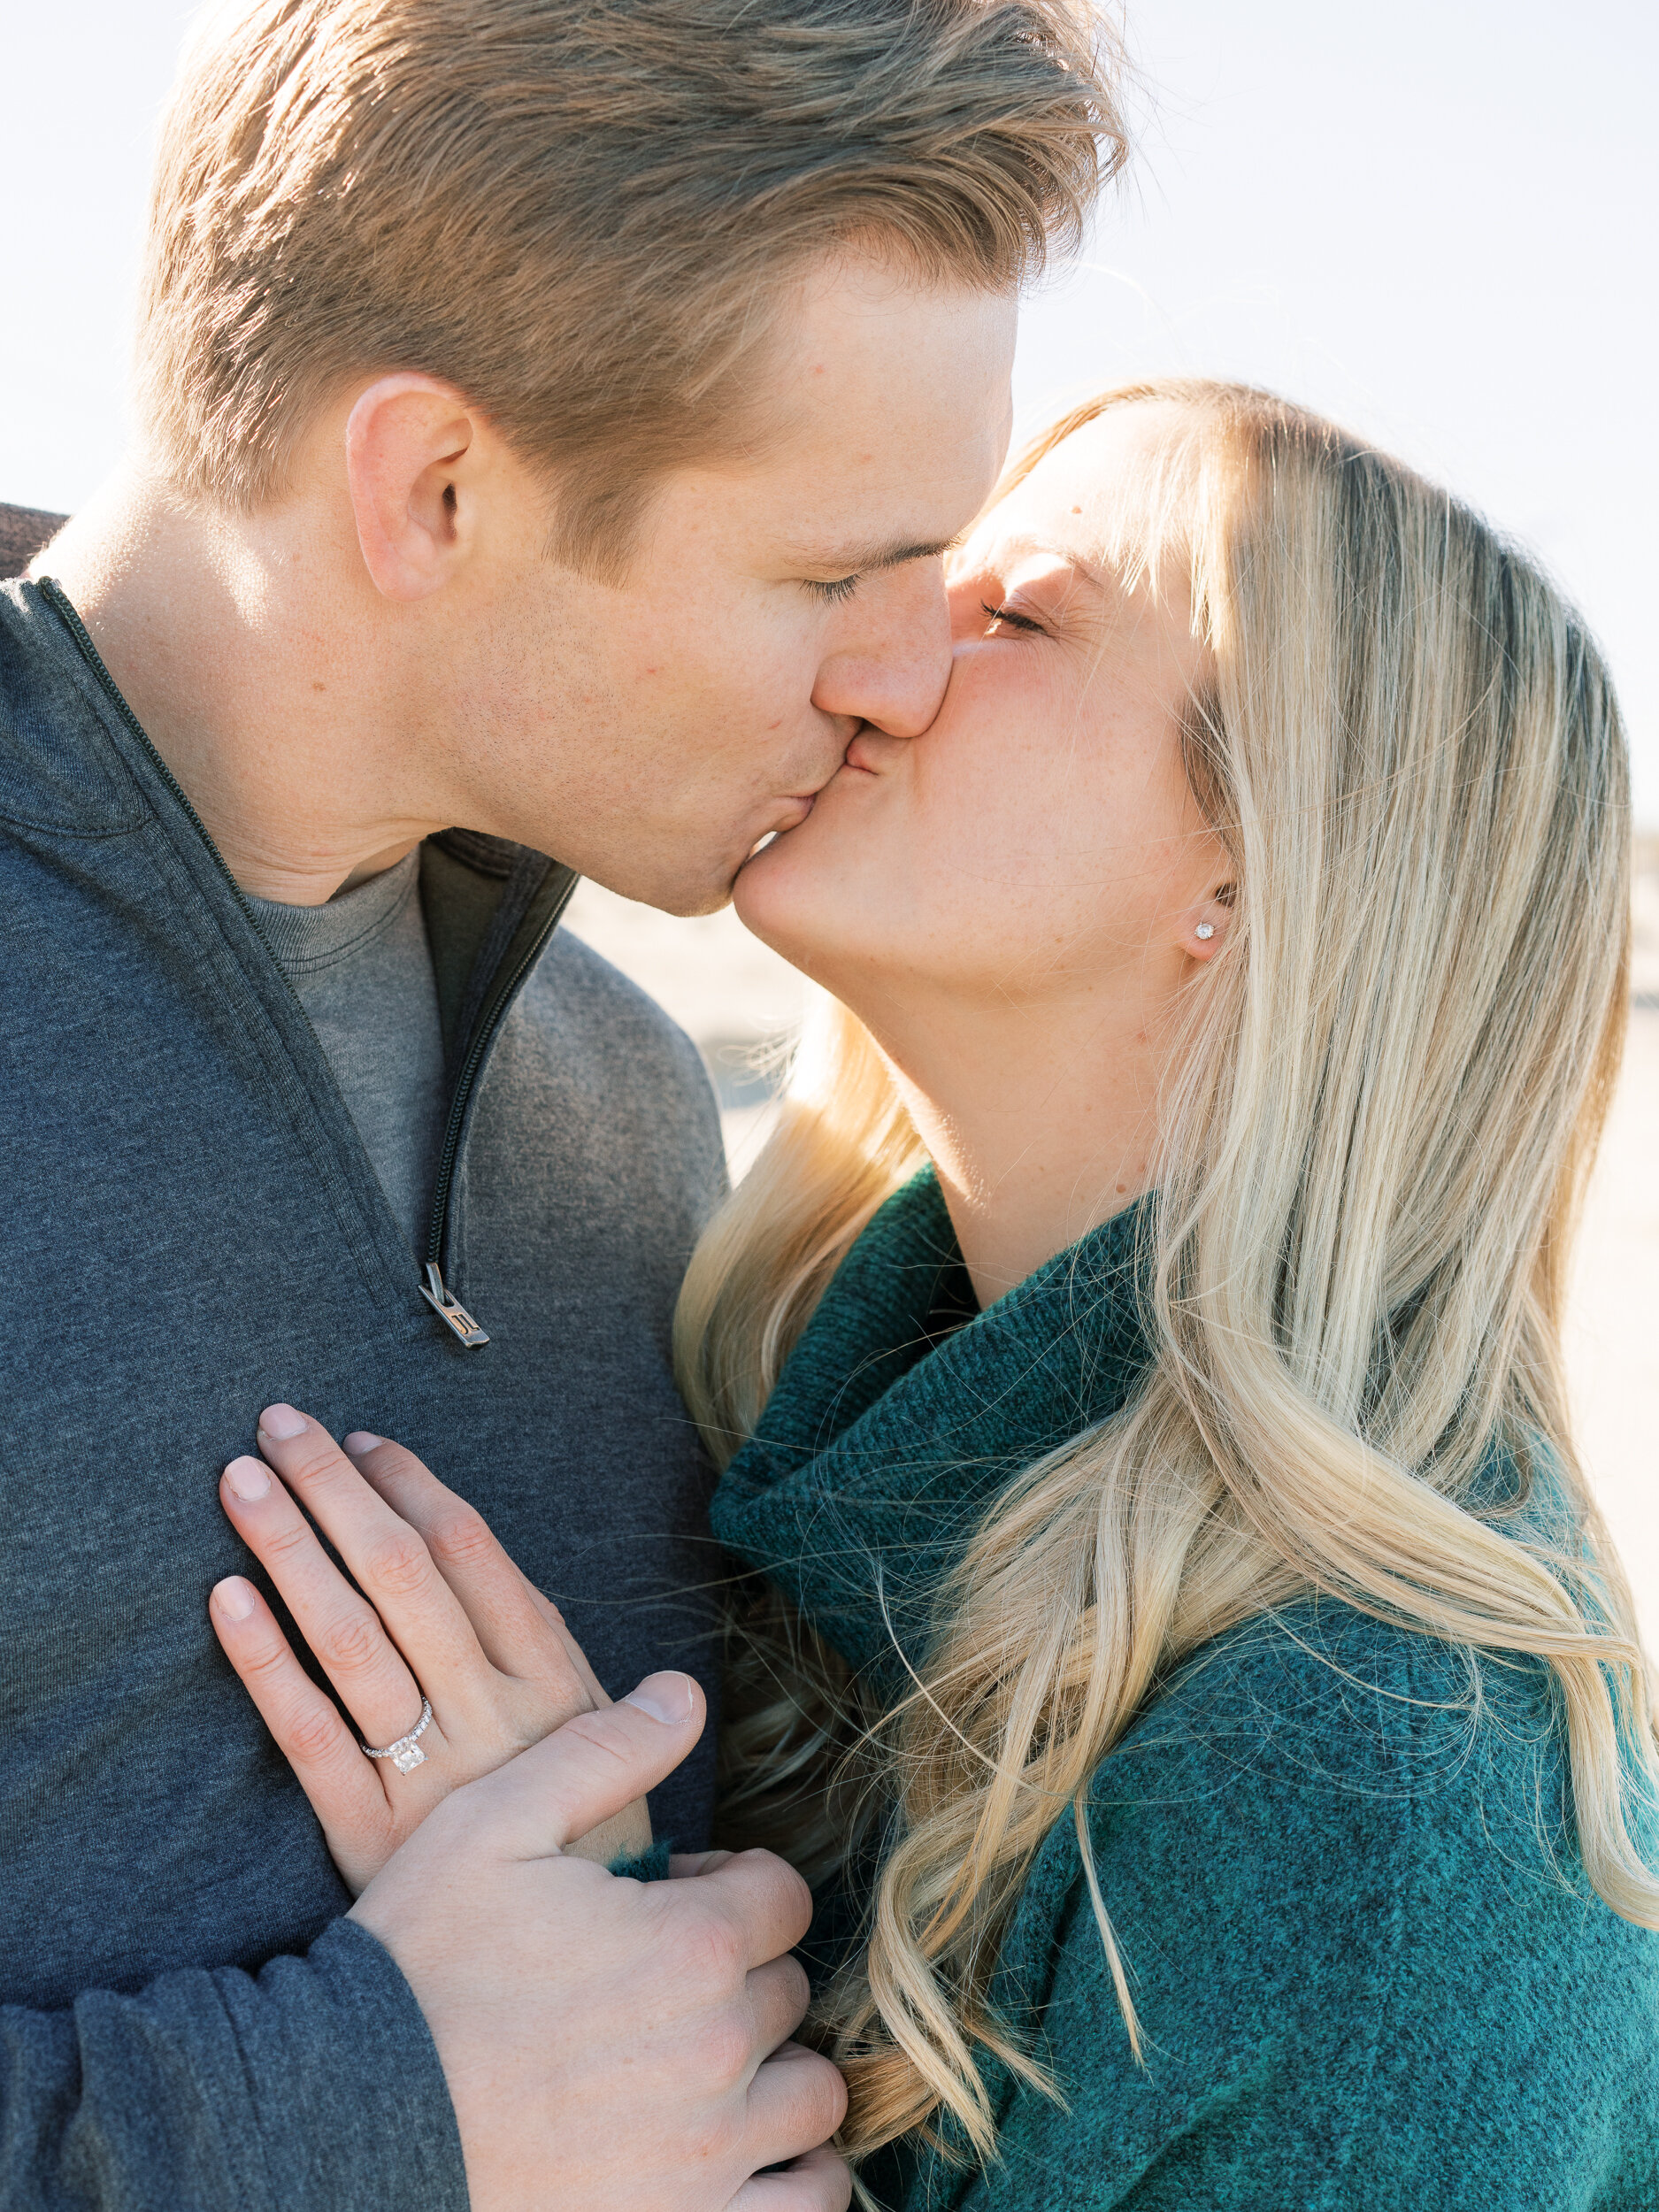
(611, 2046)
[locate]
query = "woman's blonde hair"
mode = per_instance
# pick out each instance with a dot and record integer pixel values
(1379, 1121)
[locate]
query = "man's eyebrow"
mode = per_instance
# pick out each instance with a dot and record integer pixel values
(865, 560)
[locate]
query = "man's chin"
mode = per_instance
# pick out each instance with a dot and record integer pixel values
(678, 894)
(709, 900)
(685, 899)
(688, 891)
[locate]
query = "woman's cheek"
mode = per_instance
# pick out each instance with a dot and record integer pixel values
(996, 792)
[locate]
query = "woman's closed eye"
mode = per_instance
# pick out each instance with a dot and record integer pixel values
(1027, 625)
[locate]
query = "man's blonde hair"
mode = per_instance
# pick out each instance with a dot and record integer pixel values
(580, 212)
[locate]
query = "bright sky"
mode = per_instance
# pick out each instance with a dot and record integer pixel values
(1437, 220)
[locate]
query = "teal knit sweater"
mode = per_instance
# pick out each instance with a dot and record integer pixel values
(1338, 1859)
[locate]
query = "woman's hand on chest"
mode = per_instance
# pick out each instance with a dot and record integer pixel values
(440, 1613)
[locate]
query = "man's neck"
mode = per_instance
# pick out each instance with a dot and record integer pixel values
(273, 697)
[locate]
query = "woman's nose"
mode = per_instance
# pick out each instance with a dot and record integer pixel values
(874, 749)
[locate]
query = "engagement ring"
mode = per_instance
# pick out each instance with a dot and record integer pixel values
(406, 1754)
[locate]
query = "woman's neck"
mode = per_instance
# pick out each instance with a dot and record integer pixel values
(1041, 1125)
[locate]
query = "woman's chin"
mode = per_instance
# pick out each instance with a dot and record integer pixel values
(782, 898)
(761, 892)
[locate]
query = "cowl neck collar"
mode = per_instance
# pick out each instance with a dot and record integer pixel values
(903, 1411)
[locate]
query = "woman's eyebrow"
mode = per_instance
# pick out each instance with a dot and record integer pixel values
(1068, 554)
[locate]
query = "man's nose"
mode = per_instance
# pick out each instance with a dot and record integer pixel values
(892, 663)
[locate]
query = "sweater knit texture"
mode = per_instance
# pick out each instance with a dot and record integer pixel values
(1338, 1857)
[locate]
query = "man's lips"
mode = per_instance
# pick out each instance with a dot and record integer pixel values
(798, 809)
(797, 805)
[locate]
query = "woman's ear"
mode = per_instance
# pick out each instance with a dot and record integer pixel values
(409, 440)
(1207, 926)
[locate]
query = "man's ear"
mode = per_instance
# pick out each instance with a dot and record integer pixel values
(410, 440)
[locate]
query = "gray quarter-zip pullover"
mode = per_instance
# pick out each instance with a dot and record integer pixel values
(194, 1229)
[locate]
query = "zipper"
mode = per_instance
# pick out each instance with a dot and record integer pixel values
(449, 1309)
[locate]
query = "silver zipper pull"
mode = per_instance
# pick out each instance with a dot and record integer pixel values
(450, 1311)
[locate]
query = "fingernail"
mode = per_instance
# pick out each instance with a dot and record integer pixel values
(360, 1442)
(248, 1478)
(234, 1597)
(666, 1697)
(282, 1422)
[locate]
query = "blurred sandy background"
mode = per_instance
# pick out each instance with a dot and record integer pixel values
(734, 996)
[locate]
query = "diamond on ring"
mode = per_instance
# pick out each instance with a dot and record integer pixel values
(405, 1754)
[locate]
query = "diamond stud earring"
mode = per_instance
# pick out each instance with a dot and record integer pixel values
(1205, 931)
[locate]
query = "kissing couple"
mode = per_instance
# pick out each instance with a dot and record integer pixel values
(1049, 1650)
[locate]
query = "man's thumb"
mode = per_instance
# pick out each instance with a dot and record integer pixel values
(592, 1767)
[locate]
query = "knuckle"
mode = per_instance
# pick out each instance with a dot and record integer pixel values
(294, 1540)
(797, 1987)
(776, 1885)
(814, 2102)
(827, 2099)
(831, 2186)
(397, 1561)
(395, 1471)
(261, 1662)
(461, 1537)
(602, 1732)
(312, 1734)
(309, 1461)
(708, 1952)
(794, 1892)
(351, 1643)
(725, 2048)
